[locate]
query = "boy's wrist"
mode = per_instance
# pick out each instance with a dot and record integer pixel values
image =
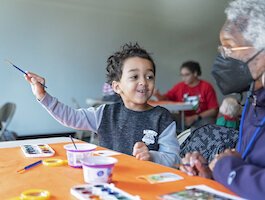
(40, 96)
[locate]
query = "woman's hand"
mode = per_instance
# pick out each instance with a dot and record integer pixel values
(195, 165)
(37, 84)
(141, 151)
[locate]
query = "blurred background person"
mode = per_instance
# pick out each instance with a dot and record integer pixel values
(229, 113)
(108, 94)
(196, 91)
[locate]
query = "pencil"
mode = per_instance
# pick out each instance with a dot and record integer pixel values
(29, 166)
(21, 70)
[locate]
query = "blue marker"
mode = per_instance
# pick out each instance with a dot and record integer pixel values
(21, 70)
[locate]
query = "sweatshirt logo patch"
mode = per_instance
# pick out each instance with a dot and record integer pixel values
(149, 136)
(231, 177)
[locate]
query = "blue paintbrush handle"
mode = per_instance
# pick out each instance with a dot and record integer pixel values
(19, 69)
(33, 164)
(22, 71)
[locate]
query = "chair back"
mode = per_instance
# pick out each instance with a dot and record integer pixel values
(209, 140)
(7, 112)
(183, 136)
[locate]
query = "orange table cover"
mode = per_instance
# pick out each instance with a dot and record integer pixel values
(59, 180)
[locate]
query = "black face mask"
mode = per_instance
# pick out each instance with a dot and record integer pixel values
(232, 75)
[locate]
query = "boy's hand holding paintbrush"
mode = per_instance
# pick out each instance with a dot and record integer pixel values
(36, 83)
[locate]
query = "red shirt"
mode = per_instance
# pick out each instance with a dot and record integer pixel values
(203, 92)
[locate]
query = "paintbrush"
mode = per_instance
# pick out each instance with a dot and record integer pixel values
(73, 141)
(29, 166)
(7, 61)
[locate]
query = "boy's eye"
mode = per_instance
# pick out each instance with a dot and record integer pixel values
(134, 77)
(150, 77)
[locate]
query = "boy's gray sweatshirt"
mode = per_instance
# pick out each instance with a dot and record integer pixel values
(119, 128)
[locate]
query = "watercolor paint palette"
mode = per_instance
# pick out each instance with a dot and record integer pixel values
(198, 192)
(37, 150)
(191, 194)
(100, 192)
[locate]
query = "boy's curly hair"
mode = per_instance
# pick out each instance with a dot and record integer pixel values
(115, 62)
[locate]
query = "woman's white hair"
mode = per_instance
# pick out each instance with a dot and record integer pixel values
(250, 17)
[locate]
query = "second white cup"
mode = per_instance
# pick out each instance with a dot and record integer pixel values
(98, 169)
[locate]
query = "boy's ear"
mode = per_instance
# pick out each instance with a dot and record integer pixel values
(116, 87)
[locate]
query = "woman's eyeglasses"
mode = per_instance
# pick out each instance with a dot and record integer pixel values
(226, 51)
(186, 74)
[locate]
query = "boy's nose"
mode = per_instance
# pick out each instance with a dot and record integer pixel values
(142, 81)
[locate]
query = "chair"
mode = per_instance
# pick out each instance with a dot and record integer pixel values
(7, 112)
(183, 136)
(209, 140)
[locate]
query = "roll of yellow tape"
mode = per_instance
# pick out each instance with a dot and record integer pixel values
(52, 162)
(15, 198)
(35, 194)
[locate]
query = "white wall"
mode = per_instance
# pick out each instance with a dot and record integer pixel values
(68, 42)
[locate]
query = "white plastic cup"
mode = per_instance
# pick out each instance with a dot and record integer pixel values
(98, 169)
(84, 150)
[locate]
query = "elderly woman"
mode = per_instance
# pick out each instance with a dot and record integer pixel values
(239, 67)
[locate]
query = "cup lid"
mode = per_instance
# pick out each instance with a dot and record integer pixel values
(81, 147)
(99, 161)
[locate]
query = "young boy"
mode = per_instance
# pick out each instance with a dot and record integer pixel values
(131, 126)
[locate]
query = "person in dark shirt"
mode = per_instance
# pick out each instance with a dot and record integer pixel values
(240, 66)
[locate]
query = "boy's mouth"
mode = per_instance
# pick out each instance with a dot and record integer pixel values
(143, 91)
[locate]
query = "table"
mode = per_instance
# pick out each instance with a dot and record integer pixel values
(174, 107)
(59, 180)
(51, 140)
